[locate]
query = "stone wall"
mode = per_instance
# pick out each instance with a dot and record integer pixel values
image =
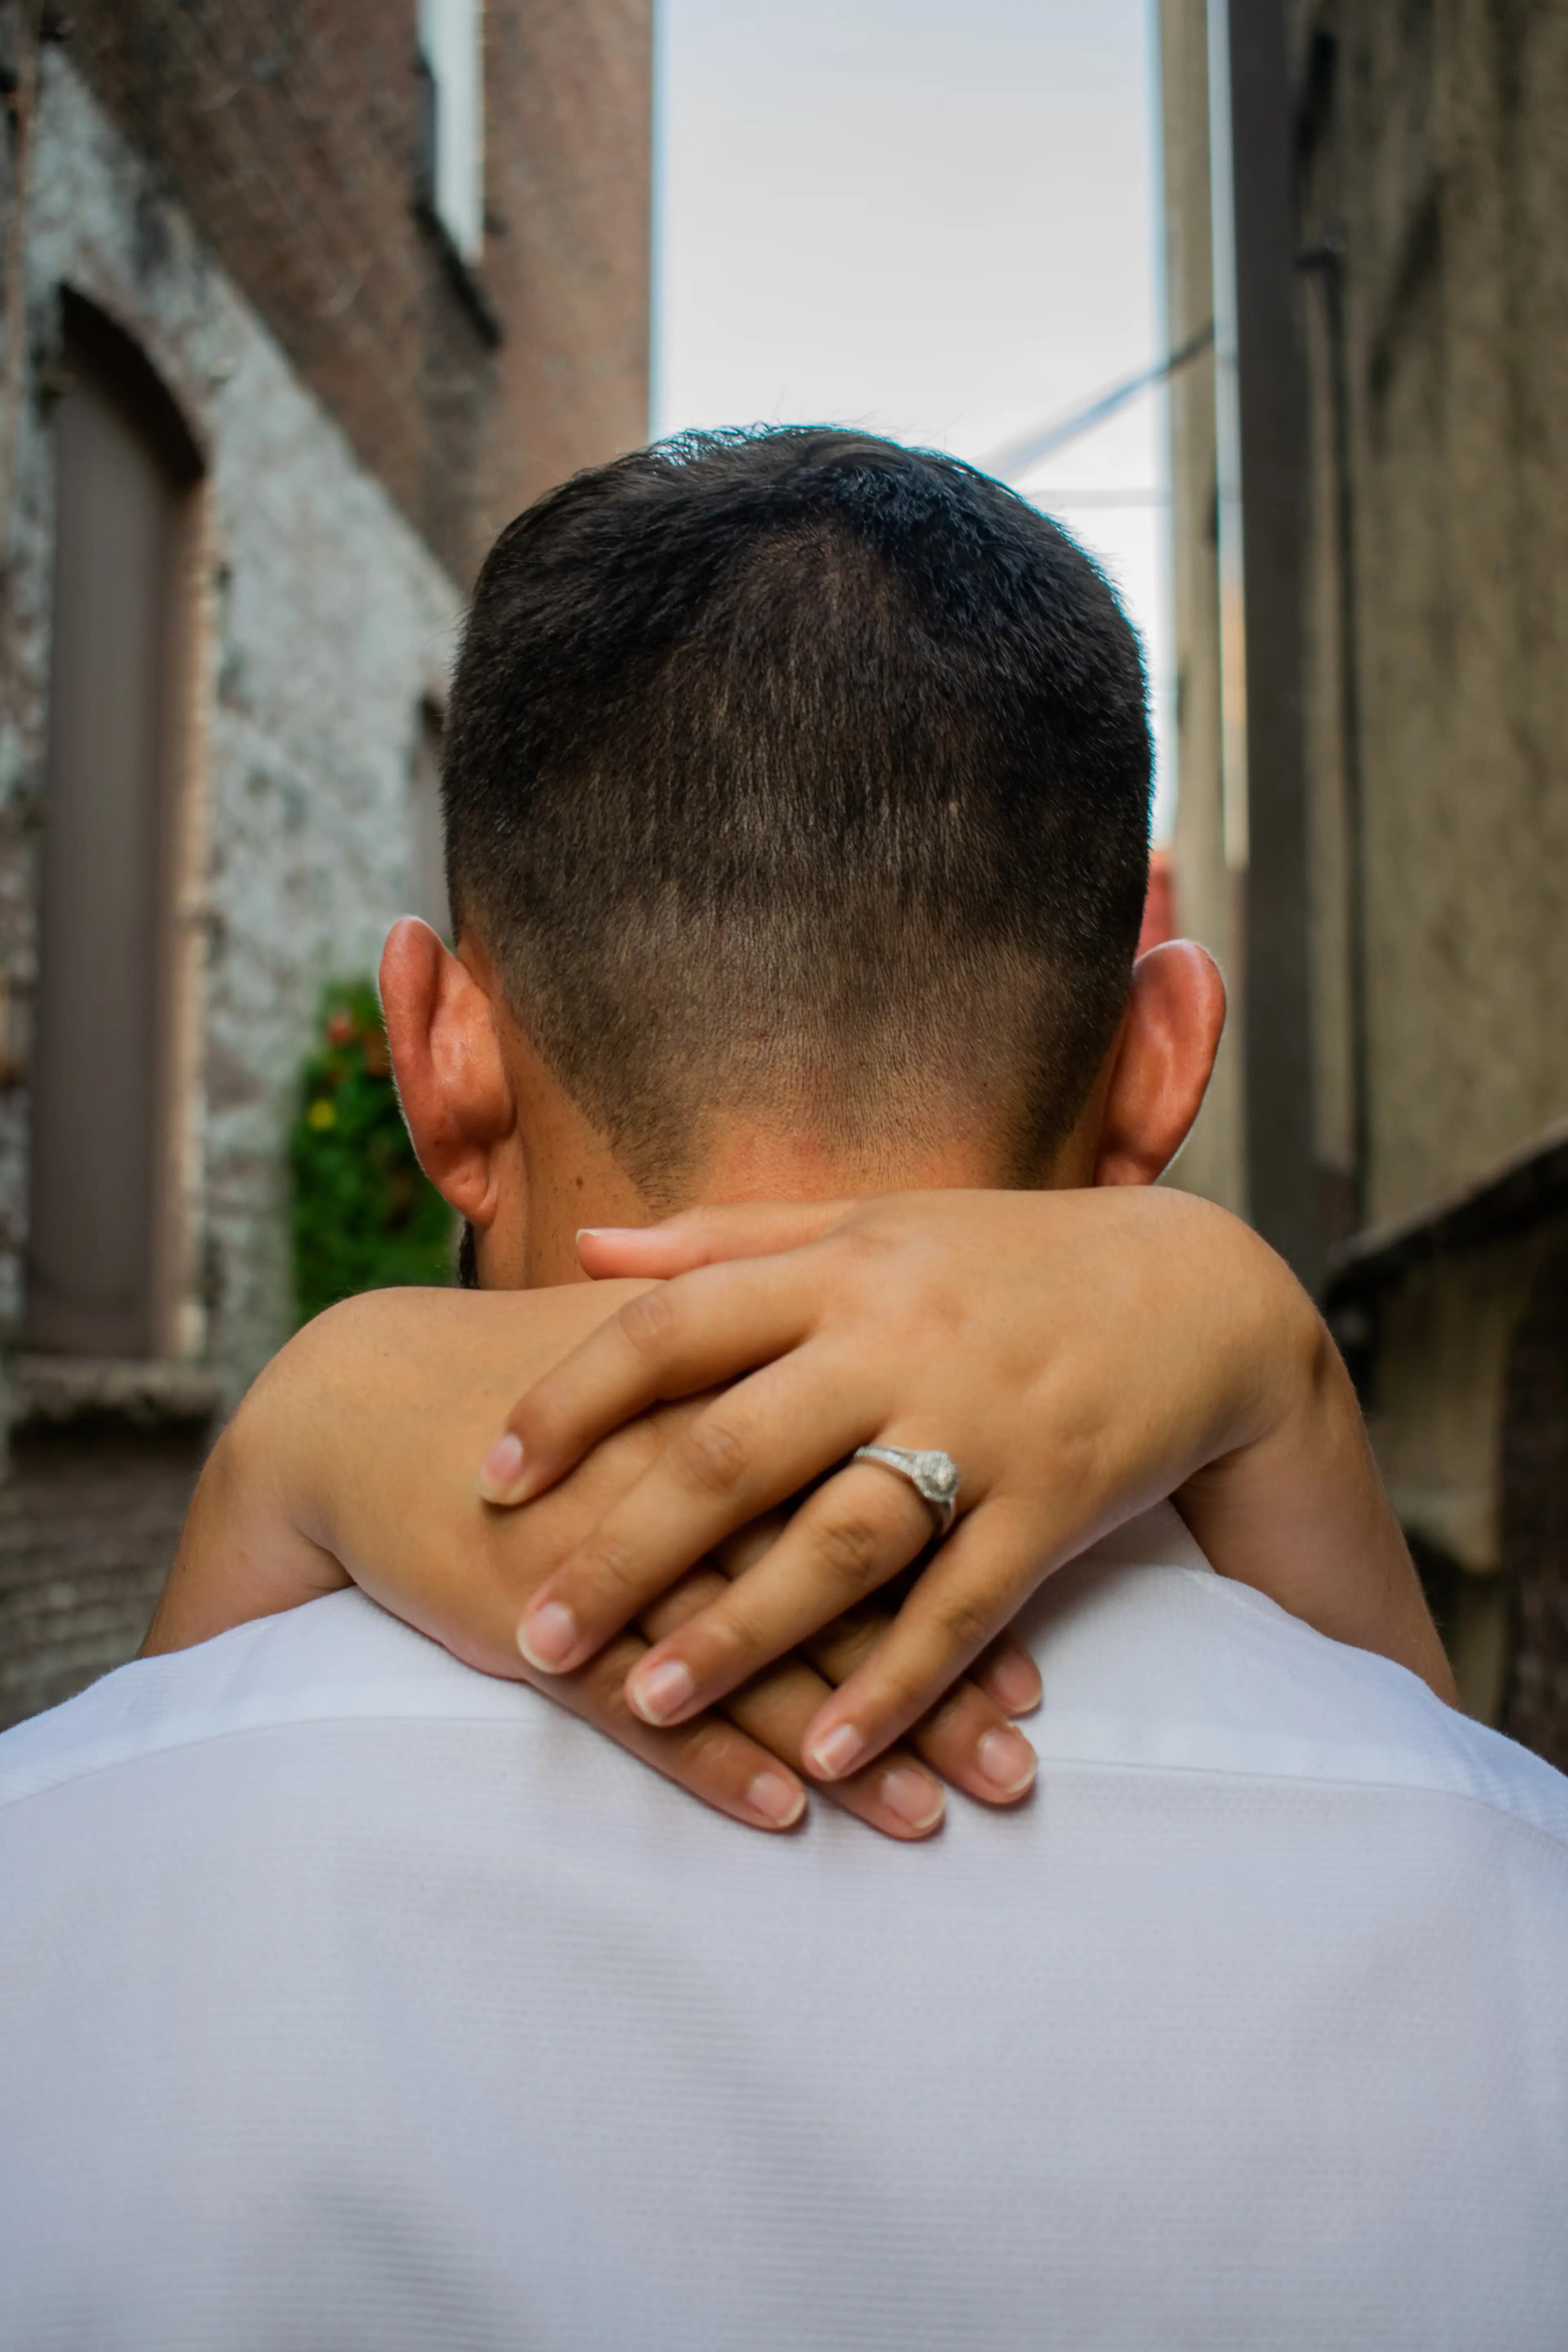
(323, 623)
(328, 622)
(238, 189)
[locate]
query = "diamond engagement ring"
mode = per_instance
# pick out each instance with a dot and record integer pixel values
(933, 1473)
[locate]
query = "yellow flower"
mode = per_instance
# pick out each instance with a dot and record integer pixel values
(321, 1114)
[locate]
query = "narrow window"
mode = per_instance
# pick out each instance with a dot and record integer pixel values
(451, 45)
(126, 471)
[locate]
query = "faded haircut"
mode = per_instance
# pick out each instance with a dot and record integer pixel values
(798, 773)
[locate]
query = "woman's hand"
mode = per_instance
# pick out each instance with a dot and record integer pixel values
(1080, 1355)
(351, 1459)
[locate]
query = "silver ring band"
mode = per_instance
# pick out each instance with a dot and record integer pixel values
(933, 1473)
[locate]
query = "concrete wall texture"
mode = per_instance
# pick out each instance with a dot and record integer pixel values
(238, 189)
(1430, 180)
(1430, 149)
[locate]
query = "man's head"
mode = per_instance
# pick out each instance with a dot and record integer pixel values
(796, 784)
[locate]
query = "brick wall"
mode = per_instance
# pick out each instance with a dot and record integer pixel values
(88, 1523)
(289, 135)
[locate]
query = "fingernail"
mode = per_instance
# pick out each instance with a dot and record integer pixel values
(548, 1636)
(835, 1751)
(1008, 1761)
(606, 1232)
(914, 1799)
(1014, 1681)
(501, 1468)
(776, 1799)
(658, 1692)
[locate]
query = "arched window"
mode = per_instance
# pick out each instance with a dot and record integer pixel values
(127, 470)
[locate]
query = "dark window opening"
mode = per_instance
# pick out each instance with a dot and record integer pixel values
(126, 470)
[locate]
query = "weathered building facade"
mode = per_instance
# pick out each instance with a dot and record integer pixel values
(1367, 199)
(302, 304)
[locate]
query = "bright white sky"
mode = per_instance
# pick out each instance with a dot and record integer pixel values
(931, 218)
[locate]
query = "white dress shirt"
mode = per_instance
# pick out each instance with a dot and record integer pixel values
(349, 1998)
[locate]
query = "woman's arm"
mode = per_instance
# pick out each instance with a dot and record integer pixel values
(1080, 1355)
(351, 1459)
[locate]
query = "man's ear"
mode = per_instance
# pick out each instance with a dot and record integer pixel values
(446, 1058)
(1170, 1035)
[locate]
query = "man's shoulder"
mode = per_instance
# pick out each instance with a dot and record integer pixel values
(340, 1659)
(1151, 1660)
(1150, 1663)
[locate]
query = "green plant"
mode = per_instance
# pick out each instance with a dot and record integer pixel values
(365, 1216)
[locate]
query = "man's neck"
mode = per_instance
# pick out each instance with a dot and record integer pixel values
(572, 1180)
(759, 1162)
(555, 1172)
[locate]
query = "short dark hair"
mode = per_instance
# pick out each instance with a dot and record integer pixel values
(794, 769)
